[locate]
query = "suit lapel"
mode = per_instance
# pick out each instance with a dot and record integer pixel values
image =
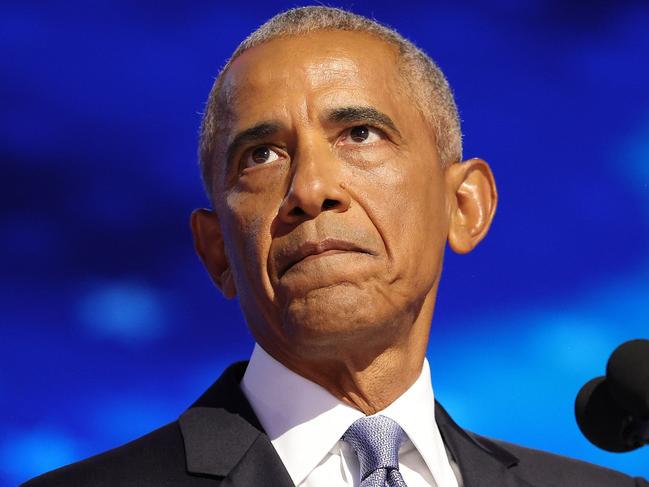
(481, 462)
(223, 437)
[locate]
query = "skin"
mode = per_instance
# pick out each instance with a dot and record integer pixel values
(340, 167)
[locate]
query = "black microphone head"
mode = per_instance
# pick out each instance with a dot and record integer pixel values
(602, 421)
(627, 376)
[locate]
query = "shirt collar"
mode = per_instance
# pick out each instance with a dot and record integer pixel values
(304, 421)
(414, 411)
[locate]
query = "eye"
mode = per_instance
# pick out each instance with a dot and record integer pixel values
(362, 134)
(260, 155)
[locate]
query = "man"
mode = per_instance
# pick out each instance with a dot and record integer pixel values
(331, 153)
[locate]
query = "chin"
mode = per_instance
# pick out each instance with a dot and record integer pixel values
(336, 316)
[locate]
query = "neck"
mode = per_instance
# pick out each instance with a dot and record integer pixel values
(376, 387)
(368, 375)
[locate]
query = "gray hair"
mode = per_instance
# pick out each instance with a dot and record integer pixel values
(431, 90)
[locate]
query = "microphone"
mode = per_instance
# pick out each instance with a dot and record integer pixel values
(612, 411)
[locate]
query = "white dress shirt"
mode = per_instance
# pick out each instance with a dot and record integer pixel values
(305, 424)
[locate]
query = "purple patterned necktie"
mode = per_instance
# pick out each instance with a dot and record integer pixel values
(376, 441)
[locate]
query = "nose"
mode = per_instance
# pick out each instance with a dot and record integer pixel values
(315, 188)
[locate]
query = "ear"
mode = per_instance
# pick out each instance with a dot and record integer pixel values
(473, 199)
(208, 243)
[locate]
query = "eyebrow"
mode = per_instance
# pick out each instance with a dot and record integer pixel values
(251, 135)
(362, 114)
(349, 114)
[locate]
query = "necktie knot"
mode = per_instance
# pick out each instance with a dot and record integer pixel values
(376, 441)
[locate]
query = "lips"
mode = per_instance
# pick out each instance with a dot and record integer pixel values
(308, 249)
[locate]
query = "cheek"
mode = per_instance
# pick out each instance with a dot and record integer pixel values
(247, 239)
(406, 203)
(252, 204)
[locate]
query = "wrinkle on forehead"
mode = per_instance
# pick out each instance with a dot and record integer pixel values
(330, 69)
(326, 56)
(315, 75)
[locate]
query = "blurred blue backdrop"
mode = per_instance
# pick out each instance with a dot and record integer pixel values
(110, 327)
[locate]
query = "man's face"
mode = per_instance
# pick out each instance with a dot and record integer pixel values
(331, 197)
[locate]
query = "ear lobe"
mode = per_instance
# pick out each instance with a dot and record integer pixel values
(474, 200)
(226, 284)
(208, 243)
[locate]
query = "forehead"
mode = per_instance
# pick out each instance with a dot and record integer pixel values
(319, 69)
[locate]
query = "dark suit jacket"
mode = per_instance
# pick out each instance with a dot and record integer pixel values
(219, 442)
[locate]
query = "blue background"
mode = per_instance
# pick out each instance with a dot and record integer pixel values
(109, 325)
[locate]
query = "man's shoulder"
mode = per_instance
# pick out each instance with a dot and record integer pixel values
(156, 459)
(538, 467)
(162, 458)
